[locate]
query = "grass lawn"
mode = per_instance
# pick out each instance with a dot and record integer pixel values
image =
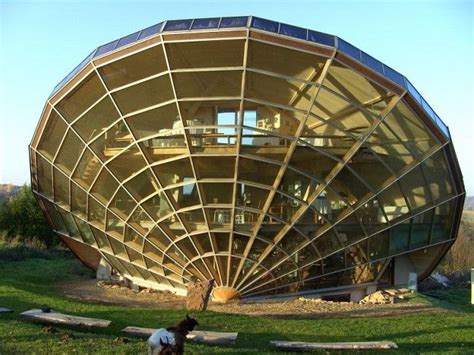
(29, 283)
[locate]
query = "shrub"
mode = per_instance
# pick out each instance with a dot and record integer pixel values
(22, 219)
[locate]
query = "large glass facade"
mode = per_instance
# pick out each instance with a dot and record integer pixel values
(266, 166)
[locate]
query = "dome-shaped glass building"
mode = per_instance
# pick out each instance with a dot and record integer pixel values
(270, 158)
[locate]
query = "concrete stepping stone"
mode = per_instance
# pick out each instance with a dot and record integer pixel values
(199, 336)
(52, 317)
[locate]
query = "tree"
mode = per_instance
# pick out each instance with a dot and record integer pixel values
(22, 218)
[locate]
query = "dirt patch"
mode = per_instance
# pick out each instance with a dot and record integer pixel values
(89, 291)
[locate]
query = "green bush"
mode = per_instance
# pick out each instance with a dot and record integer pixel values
(22, 219)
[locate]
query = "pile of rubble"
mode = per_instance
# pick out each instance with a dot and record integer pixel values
(388, 296)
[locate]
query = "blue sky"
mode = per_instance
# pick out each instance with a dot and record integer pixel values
(431, 42)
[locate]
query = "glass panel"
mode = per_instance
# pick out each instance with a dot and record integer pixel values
(208, 84)
(271, 119)
(266, 25)
(389, 148)
(78, 200)
(293, 31)
(101, 239)
(322, 38)
(442, 224)
(211, 124)
(227, 53)
(68, 222)
(245, 221)
(356, 255)
(145, 94)
(378, 245)
(410, 130)
(172, 227)
(283, 92)
(219, 217)
(184, 196)
(348, 183)
(193, 220)
(369, 168)
(122, 204)
(186, 247)
(371, 216)
(221, 242)
(420, 234)
(61, 188)
(52, 135)
(153, 253)
(334, 262)
(393, 202)
(118, 248)
(69, 153)
(339, 112)
(356, 88)
(205, 23)
(45, 178)
(414, 188)
(174, 172)
(55, 216)
(292, 241)
(400, 237)
(104, 187)
(327, 244)
(250, 196)
(239, 243)
(163, 121)
(112, 142)
(214, 167)
(96, 213)
(95, 121)
(177, 25)
(349, 229)
(320, 165)
(127, 163)
(331, 204)
(114, 226)
(202, 242)
(142, 185)
(274, 59)
(327, 135)
(310, 221)
(127, 40)
(267, 172)
(215, 193)
(86, 232)
(140, 221)
(135, 67)
(437, 176)
(87, 169)
(157, 206)
(88, 91)
(158, 238)
(149, 31)
(228, 22)
(105, 48)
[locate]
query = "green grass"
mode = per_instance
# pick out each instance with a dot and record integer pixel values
(28, 283)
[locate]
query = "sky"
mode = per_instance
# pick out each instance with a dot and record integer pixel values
(430, 42)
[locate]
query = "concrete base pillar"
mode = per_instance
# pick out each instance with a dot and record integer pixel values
(357, 295)
(104, 270)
